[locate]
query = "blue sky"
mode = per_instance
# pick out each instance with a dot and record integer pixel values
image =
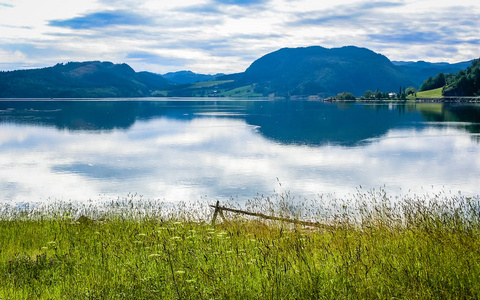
(210, 36)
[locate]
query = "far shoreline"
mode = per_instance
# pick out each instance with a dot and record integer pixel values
(289, 98)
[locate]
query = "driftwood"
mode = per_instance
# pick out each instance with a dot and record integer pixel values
(219, 209)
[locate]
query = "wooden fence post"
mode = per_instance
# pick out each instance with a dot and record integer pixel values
(218, 210)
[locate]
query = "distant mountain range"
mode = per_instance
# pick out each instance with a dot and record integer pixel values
(419, 71)
(186, 77)
(289, 71)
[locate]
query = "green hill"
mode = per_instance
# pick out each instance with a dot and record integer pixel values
(185, 77)
(465, 83)
(324, 72)
(80, 80)
(287, 72)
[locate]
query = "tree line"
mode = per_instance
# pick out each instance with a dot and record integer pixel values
(464, 83)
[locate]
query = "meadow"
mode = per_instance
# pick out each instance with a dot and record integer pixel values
(435, 93)
(370, 246)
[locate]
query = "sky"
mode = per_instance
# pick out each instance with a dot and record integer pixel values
(226, 36)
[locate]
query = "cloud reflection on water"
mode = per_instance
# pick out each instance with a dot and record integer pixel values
(177, 160)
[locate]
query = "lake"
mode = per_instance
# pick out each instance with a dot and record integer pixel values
(203, 149)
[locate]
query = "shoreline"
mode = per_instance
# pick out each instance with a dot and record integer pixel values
(421, 100)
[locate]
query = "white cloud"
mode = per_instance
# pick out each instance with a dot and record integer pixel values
(210, 36)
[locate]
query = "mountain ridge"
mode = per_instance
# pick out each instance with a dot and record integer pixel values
(420, 71)
(187, 76)
(324, 71)
(90, 79)
(313, 70)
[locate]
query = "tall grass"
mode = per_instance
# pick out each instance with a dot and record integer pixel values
(369, 246)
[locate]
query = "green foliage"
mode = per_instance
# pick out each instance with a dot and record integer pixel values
(465, 83)
(381, 95)
(323, 72)
(215, 88)
(372, 246)
(186, 77)
(378, 95)
(243, 91)
(345, 96)
(438, 81)
(80, 80)
(433, 83)
(411, 91)
(368, 95)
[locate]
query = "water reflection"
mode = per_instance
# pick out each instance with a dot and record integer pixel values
(179, 150)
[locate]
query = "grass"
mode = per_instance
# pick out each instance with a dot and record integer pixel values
(436, 93)
(244, 91)
(206, 84)
(369, 247)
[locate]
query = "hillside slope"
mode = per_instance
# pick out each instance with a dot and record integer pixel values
(465, 83)
(325, 72)
(420, 71)
(185, 77)
(80, 79)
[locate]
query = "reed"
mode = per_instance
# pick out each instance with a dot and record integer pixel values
(372, 246)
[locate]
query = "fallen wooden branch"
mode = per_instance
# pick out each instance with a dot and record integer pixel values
(219, 209)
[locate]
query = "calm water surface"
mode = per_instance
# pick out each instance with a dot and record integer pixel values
(192, 149)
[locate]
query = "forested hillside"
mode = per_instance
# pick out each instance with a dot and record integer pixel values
(325, 72)
(465, 83)
(80, 79)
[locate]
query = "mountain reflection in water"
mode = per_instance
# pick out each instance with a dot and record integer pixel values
(182, 149)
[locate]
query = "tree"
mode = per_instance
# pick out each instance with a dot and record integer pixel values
(368, 94)
(433, 83)
(345, 96)
(466, 83)
(410, 91)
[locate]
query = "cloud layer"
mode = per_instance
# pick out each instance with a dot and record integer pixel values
(211, 36)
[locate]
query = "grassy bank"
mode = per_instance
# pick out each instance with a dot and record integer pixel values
(373, 247)
(435, 93)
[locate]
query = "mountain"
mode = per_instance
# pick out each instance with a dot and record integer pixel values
(185, 77)
(289, 71)
(326, 72)
(420, 71)
(80, 80)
